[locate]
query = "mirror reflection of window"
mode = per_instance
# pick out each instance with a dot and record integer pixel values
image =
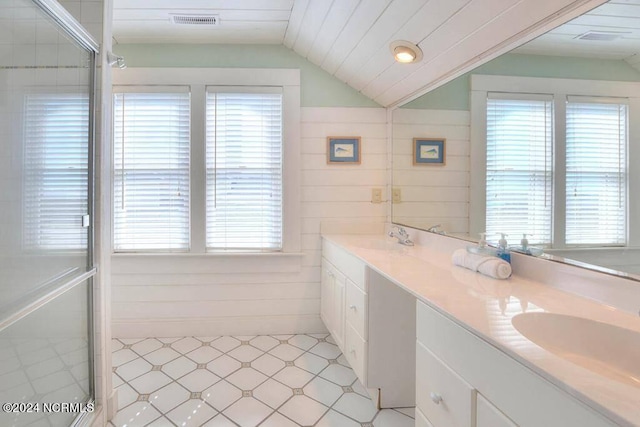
(596, 177)
(519, 166)
(521, 146)
(56, 127)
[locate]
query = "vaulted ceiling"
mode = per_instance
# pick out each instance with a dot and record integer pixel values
(611, 31)
(350, 39)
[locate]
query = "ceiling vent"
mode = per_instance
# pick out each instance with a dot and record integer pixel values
(602, 36)
(207, 20)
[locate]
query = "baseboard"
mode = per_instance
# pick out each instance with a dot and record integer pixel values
(112, 404)
(98, 418)
(262, 325)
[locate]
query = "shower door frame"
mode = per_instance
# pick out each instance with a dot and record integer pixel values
(68, 24)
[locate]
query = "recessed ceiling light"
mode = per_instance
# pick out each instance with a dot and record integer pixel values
(405, 52)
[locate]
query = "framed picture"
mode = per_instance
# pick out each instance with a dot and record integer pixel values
(343, 150)
(429, 151)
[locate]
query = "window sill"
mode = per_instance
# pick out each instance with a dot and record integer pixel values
(206, 263)
(209, 254)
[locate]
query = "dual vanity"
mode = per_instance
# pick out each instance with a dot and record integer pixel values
(471, 351)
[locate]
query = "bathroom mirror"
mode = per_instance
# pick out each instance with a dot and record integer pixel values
(602, 45)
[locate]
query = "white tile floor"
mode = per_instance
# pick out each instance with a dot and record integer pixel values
(43, 370)
(246, 381)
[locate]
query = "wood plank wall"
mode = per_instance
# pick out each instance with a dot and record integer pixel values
(176, 295)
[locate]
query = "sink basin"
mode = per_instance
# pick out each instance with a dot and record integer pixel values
(605, 349)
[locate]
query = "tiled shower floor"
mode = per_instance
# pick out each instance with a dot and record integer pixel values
(247, 381)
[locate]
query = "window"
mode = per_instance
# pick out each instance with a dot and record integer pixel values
(519, 166)
(596, 172)
(151, 136)
(55, 160)
(210, 165)
(551, 160)
(244, 169)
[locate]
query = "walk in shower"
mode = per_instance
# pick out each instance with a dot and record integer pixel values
(47, 67)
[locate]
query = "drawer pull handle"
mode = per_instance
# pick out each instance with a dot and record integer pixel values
(331, 274)
(435, 398)
(352, 307)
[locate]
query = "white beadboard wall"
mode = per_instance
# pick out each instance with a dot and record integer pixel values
(432, 194)
(177, 295)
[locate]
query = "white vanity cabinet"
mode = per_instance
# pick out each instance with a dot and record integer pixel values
(344, 305)
(463, 381)
(373, 323)
(333, 300)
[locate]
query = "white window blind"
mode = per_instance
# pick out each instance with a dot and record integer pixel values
(519, 166)
(244, 169)
(596, 177)
(151, 170)
(56, 130)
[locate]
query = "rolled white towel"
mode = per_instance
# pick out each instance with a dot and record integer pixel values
(487, 265)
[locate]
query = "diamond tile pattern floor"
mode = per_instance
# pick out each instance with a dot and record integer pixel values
(246, 381)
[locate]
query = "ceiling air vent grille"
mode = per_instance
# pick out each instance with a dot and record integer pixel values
(208, 20)
(603, 36)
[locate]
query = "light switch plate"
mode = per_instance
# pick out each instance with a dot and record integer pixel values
(397, 195)
(376, 195)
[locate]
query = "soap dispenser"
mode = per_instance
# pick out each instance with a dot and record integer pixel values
(525, 248)
(524, 244)
(482, 248)
(503, 249)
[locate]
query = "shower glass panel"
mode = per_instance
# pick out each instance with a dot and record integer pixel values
(44, 358)
(45, 96)
(46, 126)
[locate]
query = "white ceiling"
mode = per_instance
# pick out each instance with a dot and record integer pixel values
(242, 21)
(350, 38)
(616, 16)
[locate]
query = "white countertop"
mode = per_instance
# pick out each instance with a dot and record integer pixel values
(485, 307)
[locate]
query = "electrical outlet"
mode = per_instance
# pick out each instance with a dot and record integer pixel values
(397, 195)
(376, 195)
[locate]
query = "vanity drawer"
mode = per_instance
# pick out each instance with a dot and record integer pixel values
(443, 396)
(356, 353)
(421, 420)
(346, 262)
(488, 415)
(357, 308)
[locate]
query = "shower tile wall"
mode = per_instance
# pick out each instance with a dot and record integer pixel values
(88, 13)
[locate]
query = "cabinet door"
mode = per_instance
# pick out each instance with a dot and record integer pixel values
(338, 318)
(326, 294)
(490, 416)
(441, 394)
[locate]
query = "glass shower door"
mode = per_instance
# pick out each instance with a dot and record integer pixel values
(46, 125)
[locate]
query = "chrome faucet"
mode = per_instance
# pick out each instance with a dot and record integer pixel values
(436, 229)
(402, 236)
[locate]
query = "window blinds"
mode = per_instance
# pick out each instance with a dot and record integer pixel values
(519, 166)
(596, 172)
(244, 169)
(55, 159)
(151, 171)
